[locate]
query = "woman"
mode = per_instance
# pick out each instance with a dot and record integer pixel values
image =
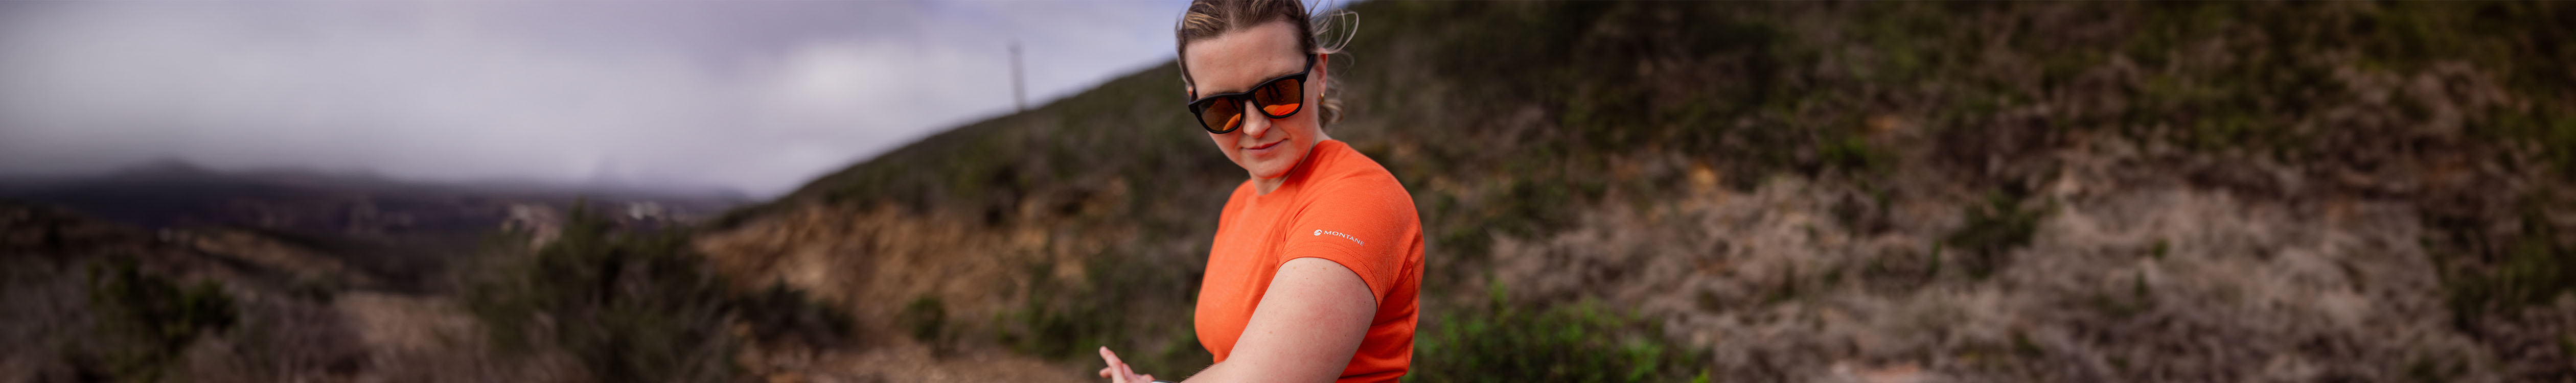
(1318, 257)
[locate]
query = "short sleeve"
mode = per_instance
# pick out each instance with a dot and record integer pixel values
(1367, 226)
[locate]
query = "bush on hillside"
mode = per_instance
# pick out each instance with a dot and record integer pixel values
(146, 320)
(638, 307)
(1584, 342)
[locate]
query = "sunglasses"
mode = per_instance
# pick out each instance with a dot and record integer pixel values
(1278, 98)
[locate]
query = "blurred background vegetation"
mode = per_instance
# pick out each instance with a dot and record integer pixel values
(1610, 191)
(1924, 153)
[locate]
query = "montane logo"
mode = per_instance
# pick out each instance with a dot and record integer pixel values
(1320, 232)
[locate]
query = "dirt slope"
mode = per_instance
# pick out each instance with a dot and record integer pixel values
(1805, 191)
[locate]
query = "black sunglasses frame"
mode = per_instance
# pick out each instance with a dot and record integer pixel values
(1199, 107)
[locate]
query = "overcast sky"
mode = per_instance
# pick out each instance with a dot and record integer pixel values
(756, 97)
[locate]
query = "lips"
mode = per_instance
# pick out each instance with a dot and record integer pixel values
(1266, 146)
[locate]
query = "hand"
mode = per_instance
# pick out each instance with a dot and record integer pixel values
(1118, 372)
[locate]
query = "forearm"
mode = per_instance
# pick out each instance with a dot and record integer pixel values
(1304, 331)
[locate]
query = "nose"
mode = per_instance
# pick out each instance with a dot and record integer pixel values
(1254, 123)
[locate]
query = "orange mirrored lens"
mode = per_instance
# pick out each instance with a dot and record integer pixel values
(1222, 115)
(1278, 98)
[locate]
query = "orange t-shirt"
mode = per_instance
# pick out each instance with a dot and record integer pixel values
(1336, 205)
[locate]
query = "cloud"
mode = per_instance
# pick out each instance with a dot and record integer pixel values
(755, 96)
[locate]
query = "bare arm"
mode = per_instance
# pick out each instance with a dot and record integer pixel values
(1305, 329)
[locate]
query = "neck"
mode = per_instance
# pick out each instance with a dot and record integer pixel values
(1266, 185)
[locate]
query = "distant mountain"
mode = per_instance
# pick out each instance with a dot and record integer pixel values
(172, 193)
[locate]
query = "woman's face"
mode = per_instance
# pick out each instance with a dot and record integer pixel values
(1236, 62)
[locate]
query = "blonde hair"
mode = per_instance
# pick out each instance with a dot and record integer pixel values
(1207, 19)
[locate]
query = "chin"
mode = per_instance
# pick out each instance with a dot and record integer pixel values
(1271, 169)
(1266, 171)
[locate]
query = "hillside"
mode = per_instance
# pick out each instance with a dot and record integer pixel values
(89, 300)
(172, 193)
(1797, 191)
(172, 272)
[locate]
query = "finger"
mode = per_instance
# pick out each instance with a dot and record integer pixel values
(1145, 378)
(1112, 357)
(1117, 368)
(1104, 371)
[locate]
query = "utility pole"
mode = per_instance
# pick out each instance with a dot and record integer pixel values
(1019, 91)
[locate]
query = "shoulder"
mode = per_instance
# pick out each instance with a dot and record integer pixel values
(1346, 171)
(1358, 216)
(1336, 160)
(1347, 181)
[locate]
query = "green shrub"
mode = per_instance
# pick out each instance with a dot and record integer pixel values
(781, 314)
(1502, 342)
(637, 307)
(1530, 209)
(146, 320)
(926, 319)
(1993, 230)
(1126, 297)
(1049, 325)
(1852, 153)
(2535, 270)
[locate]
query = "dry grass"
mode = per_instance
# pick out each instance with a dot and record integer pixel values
(1830, 191)
(2155, 284)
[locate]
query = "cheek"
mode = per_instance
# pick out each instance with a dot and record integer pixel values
(1224, 144)
(1303, 124)
(1308, 116)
